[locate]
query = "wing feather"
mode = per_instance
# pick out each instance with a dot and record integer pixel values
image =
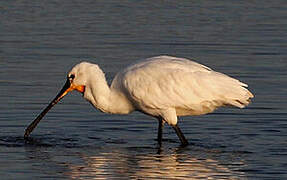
(163, 82)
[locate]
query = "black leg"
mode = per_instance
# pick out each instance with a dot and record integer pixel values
(180, 135)
(159, 132)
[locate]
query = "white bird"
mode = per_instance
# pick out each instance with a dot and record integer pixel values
(164, 87)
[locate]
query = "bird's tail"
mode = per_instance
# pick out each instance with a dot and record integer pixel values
(237, 94)
(242, 97)
(229, 91)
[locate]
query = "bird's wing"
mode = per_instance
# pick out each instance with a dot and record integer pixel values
(182, 84)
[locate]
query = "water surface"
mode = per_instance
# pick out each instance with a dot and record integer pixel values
(41, 41)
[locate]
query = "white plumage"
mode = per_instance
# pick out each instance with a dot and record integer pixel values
(164, 87)
(161, 86)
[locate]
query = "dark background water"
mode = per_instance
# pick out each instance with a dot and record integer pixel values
(41, 40)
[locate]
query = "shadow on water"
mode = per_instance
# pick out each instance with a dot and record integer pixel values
(73, 160)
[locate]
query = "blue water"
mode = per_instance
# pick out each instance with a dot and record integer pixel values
(40, 42)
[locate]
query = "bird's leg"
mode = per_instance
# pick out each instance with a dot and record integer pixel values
(180, 135)
(159, 131)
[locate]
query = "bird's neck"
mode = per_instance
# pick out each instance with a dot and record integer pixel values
(106, 99)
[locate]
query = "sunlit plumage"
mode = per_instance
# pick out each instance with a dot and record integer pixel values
(164, 87)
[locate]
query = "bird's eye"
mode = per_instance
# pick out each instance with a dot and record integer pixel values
(71, 77)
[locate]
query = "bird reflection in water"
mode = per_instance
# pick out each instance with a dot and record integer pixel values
(171, 166)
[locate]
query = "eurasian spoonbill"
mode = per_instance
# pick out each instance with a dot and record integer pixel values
(164, 87)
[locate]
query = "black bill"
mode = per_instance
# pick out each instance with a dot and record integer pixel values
(61, 94)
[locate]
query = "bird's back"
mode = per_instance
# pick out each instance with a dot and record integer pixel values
(165, 82)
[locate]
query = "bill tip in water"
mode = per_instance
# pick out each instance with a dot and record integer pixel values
(26, 135)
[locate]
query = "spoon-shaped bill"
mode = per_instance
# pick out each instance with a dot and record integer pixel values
(61, 94)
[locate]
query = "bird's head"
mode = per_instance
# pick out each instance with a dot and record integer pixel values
(76, 80)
